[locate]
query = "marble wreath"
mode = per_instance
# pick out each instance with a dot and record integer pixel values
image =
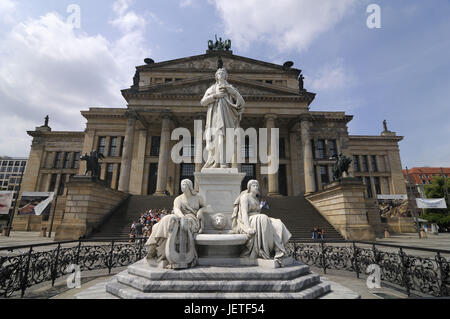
(172, 240)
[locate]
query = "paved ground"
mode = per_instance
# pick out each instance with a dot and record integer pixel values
(24, 238)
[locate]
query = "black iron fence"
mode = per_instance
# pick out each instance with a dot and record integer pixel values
(24, 266)
(417, 270)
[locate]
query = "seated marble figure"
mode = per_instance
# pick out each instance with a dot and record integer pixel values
(172, 239)
(267, 237)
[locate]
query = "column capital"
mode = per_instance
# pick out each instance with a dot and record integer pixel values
(166, 116)
(305, 117)
(131, 115)
(200, 116)
(270, 116)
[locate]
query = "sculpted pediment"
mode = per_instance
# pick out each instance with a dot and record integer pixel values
(207, 62)
(199, 87)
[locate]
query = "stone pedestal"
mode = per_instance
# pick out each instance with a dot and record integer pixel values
(220, 187)
(88, 203)
(343, 205)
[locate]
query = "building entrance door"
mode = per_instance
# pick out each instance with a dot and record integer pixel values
(152, 179)
(187, 172)
(282, 181)
(250, 170)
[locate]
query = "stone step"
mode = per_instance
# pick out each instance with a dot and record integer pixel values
(148, 286)
(126, 292)
(141, 269)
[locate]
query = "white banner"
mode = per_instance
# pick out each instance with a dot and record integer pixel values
(431, 203)
(5, 202)
(35, 203)
(392, 197)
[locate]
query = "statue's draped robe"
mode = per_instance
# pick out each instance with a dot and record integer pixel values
(271, 235)
(222, 113)
(161, 231)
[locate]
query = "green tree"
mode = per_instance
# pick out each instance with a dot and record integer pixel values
(437, 189)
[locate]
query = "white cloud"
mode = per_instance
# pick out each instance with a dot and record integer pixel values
(7, 9)
(48, 67)
(289, 24)
(332, 76)
(185, 3)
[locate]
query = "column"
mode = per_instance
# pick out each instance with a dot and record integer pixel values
(310, 184)
(164, 155)
(124, 179)
(272, 178)
(199, 145)
(295, 163)
(137, 166)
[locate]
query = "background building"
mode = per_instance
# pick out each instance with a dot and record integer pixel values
(136, 140)
(11, 170)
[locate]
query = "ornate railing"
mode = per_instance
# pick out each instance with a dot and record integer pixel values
(24, 266)
(429, 276)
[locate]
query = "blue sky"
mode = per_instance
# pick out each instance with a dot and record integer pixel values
(400, 72)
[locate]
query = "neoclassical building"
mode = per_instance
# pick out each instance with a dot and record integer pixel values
(136, 140)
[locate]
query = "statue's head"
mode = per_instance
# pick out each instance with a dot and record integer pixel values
(219, 221)
(187, 186)
(253, 186)
(221, 74)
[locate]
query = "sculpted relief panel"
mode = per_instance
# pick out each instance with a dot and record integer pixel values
(210, 64)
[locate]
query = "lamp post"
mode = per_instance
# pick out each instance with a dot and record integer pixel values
(445, 185)
(414, 207)
(11, 217)
(56, 199)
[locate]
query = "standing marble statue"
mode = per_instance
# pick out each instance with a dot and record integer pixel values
(225, 108)
(172, 238)
(267, 237)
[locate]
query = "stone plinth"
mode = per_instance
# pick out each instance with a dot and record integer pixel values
(343, 205)
(89, 201)
(219, 187)
(140, 281)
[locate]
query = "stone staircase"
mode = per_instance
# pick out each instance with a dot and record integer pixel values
(119, 223)
(296, 213)
(300, 217)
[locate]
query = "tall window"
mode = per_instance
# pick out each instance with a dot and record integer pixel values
(377, 183)
(250, 173)
(113, 146)
(324, 175)
(282, 148)
(66, 160)
(313, 146)
(118, 176)
(62, 183)
(332, 147)
(373, 161)
(53, 183)
(122, 139)
(368, 187)
(321, 149)
(156, 142)
(365, 163)
(189, 150)
(109, 174)
(76, 160)
(101, 145)
(356, 166)
(58, 159)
